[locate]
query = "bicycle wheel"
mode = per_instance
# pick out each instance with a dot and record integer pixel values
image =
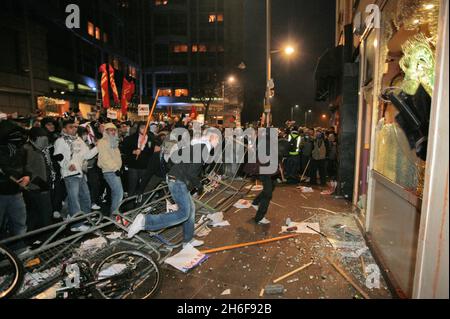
(11, 273)
(127, 274)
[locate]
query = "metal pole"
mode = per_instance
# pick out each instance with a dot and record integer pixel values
(292, 113)
(268, 106)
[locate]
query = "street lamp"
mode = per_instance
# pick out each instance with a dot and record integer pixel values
(292, 111)
(306, 117)
(231, 79)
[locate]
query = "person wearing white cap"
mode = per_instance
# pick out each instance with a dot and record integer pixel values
(110, 161)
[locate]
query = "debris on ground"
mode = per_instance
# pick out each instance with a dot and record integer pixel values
(216, 220)
(226, 292)
(274, 290)
(187, 259)
(300, 228)
(305, 190)
(292, 273)
(243, 204)
(203, 231)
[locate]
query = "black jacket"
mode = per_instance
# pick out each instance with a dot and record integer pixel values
(130, 144)
(12, 165)
(190, 173)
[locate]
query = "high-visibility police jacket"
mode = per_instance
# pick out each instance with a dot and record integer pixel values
(298, 139)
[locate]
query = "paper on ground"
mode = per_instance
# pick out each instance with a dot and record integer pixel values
(349, 249)
(217, 220)
(302, 228)
(243, 204)
(186, 259)
(306, 190)
(202, 231)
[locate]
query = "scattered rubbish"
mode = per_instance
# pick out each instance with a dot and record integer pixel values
(216, 220)
(288, 221)
(292, 273)
(363, 266)
(50, 293)
(261, 242)
(321, 209)
(274, 290)
(243, 204)
(261, 293)
(316, 231)
(292, 280)
(304, 196)
(305, 190)
(187, 259)
(348, 278)
(203, 231)
(226, 292)
(301, 228)
(349, 249)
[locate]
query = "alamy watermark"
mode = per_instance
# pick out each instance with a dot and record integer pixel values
(73, 20)
(235, 146)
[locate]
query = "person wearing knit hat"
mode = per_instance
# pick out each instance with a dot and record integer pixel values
(110, 162)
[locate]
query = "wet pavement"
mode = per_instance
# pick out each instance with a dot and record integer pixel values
(246, 271)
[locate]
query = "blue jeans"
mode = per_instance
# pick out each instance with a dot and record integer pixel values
(115, 184)
(79, 199)
(185, 214)
(13, 212)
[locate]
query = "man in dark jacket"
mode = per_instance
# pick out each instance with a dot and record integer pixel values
(184, 177)
(13, 179)
(137, 150)
(39, 163)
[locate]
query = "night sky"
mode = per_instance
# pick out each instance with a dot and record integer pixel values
(310, 25)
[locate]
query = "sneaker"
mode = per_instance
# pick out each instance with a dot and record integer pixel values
(95, 207)
(264, 221)
(57, 215)
(195, 243)
(80, 229)
(137, 226)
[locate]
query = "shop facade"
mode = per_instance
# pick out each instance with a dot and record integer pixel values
(402, 51)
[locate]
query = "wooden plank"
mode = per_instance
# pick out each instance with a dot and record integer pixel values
(348, 278)
(292, 273)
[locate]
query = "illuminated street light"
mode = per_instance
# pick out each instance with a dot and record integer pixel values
(289, 50)
(231, 79)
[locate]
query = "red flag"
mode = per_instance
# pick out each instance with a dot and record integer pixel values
(126, 87)
(194, 113)
(113, 85)
(104, 86)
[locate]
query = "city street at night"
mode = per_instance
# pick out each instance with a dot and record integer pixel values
(224, 157)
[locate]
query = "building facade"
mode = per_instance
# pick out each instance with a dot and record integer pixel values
(400, 186)
(195, 46)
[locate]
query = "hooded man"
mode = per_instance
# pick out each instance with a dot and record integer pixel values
(110, 162)
(39, 163)
(13, 179)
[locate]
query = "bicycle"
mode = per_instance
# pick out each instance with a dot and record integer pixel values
(11, 273)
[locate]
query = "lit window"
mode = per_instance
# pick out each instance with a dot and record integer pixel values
(161, 2)
(98, 33)
(180, 48)
(181, 92)
(212, 18)
(194, 48)
(91, 29)
(202, 48)
(165, 92)
(220, 17)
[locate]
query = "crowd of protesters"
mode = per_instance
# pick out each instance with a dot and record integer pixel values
(56, 168)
